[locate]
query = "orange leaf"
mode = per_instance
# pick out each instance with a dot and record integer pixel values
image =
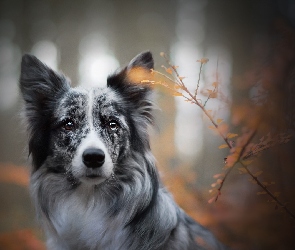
(214, 184)
(231, 160)
(223, 146)
(169, 71)
(216, 176)
(230, 135)
(213, 95)
(215, 84)
(242, 170)
(212, 127)
(258, 173)
(247, 162)
(219, 181)
(175, 93)
(203, 60)
(219, 121)
(211, 200)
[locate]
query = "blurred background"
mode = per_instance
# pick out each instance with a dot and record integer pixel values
(250, 47)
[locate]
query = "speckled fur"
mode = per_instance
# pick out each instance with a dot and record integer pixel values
(125, 205)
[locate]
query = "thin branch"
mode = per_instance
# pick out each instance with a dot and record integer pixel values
(215, 87)
(238, 160)
(194, 100)
(198, 84)
(209, 96)
(268, 192)
(221, 183)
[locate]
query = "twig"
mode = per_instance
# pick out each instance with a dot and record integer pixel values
(217, 81)
(198, 84)
(238, 160)
(209, 96)
(194, 100)
(268, 192)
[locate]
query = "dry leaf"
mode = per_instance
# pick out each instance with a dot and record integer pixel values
(219, 120)
(203, 60)
(215, 84)
(169, 71)
(230, 135)
(258, 173)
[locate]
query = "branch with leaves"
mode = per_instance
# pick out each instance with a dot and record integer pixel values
(242, 151)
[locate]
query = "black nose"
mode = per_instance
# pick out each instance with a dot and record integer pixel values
(93, 157)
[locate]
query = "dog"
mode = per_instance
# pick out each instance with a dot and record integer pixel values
(94, 180)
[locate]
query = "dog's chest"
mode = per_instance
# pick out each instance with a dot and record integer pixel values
(84, 222)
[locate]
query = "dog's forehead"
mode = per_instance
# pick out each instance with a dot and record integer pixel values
(78, 100)
(103, 97)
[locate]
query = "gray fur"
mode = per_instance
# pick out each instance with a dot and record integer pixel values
(120, 205)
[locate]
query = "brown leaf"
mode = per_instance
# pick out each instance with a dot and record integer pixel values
(211, 200)
(231, 135)
(219, 121)
(175, 93)
(223, 146)
(203, 60)
(215, 84)
(258, 173)
(169, 71)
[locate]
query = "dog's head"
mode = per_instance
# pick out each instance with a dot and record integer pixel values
(85, 133)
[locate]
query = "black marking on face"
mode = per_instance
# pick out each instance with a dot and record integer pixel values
(108, 122)
(69, 128)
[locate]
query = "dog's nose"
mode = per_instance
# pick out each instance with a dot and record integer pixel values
(93, 157)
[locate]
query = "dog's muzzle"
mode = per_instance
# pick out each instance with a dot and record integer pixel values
(93, 158)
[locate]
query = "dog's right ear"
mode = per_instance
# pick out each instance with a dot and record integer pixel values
(39, 83)
(41, 87)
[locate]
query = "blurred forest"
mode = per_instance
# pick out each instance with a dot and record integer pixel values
(251, 50)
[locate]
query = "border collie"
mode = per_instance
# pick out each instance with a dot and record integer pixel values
(94, 180)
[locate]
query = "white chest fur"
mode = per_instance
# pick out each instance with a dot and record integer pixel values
(82, 221)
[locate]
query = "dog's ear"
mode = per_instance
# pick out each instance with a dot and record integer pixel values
(128, 82)
(39, 83)
(136, 96)
(41, 87)
(143, 60)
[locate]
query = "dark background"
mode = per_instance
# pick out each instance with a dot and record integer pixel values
(252, 42)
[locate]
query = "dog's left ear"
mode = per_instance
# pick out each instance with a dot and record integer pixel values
(143, 60)
(128, 82)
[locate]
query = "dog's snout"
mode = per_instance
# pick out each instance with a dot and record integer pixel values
(93, 158)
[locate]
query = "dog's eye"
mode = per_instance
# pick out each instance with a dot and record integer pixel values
(113, 126)
(68, 125)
